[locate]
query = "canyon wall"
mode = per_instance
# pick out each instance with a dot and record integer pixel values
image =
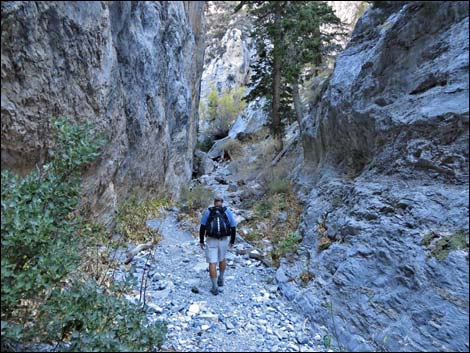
(131, 68)
(384, 180)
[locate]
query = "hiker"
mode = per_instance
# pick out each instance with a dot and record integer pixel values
(218, 224)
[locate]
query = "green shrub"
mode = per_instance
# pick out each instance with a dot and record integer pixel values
(287, 245)
(133, 214)
(223, 108)
(279, 186)
(212, 103)
(38, 226)
(440, 247)
(230, 104)
(196, 198)
(251, 236)
(94, 320)
(263, 209)
(45, 294)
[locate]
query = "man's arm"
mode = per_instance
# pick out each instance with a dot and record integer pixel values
(202, 228)
(202, 231)
(233, 225)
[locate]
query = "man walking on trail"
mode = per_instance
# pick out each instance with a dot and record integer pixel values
(218, 224)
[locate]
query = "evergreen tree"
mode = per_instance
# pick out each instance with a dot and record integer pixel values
(288, 35)
(308, 43)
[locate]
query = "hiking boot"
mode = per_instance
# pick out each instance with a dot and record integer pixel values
(220, 282)
(214, 290)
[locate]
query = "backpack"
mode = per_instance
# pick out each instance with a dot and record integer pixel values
(218, 225)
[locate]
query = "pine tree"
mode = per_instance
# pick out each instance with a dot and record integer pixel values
(288, 36)
(308, 41)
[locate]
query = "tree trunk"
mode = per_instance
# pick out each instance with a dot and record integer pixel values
(297, 103)
(318, 59)
(276, 103)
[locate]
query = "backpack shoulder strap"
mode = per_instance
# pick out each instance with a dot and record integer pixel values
(224, 215)
(211, 214)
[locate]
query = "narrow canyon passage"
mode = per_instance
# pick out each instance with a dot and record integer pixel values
(122, 121)
(249, 314)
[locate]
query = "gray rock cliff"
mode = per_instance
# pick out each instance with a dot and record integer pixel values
(385, 184)
(133, 68)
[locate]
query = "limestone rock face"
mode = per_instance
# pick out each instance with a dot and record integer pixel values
(348, 12)
(228, 55)
(386, 167)
(132, 68)
(229, 48)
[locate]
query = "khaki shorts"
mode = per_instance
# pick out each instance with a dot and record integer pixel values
(216, 249)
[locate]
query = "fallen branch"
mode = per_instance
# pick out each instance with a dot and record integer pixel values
(255, 256)
(265, 261)
(278, 157)
(283, 152)
(137, 249)
(148, 245)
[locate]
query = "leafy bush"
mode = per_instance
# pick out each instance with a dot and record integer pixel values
(287, 245)
(230, 104)
(133, 214)
(263, 209)
(279, 186)
(223, 108)
(212, 103)
(38, 226)
(97, 321)
(45, 294)
(197, 197)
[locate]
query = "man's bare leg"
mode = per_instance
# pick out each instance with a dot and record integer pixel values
(213, 276)
(222, 266)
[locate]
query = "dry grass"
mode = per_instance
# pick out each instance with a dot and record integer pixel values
(193, 203)
(264, 151)
(276, 178)
(281, 233)
(234, 149)
(305, 277)
(134, 213)
(324, 241)
(195, 198)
